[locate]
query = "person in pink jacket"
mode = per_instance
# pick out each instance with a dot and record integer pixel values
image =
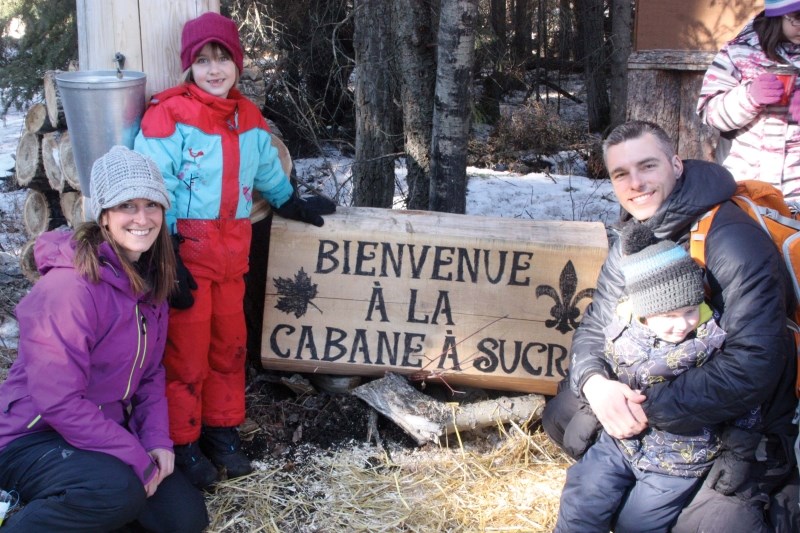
(749, 95)
(84, 435)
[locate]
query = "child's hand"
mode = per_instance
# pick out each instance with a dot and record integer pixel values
(181, 297)
(307, 210)
(766, 89)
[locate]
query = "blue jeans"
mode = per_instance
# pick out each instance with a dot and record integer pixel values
(68, 489)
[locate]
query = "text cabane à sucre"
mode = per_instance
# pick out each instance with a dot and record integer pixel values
(468, 311)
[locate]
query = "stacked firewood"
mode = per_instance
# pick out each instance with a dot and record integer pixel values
(45, 166)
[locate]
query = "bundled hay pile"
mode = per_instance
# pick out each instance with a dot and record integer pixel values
(513, 487)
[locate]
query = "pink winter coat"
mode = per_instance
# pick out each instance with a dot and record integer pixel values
(766, 146)
(89, 363)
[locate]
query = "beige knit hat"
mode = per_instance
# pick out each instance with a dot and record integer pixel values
(121, 175)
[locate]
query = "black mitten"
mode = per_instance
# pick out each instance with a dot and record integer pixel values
(733, 467)
(307, 210)
(181, 297)
(581, 432)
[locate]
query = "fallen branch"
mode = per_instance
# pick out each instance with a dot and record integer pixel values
(426, 419)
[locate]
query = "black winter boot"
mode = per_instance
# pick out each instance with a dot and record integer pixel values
(194, 465)
(223, 447)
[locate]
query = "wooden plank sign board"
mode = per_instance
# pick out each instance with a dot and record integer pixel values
(484, 302)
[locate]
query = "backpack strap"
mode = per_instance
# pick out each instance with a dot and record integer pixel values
(698, 234)
(759, 212)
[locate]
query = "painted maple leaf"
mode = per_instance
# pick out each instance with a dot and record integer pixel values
(295, 295)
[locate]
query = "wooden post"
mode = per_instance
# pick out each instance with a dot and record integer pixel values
(668, 97)
(146, 32)
(666, 69)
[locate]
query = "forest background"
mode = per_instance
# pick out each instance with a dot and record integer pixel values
(381, 80)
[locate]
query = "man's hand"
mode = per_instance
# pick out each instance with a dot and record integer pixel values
(165, 461)
(617, 406)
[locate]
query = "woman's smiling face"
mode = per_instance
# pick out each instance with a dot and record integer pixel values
(134, 225)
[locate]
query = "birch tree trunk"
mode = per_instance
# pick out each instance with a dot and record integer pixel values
(415, 40)
(451, 110)
(373, 168)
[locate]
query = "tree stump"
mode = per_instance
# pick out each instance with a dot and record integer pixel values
(30, 168)
(27, 263)
(36, 120)
(52, 160)
(72, 207)
(68, 169)
(52, 100)
(41, 212)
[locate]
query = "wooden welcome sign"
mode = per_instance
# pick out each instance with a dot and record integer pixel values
(486, 302)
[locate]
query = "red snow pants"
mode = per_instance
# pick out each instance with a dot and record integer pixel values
(206, 344)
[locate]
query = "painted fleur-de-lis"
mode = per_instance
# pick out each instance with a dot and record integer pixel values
(565, 312)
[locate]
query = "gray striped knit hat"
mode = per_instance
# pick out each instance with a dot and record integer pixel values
(659, 275)
(121, 175)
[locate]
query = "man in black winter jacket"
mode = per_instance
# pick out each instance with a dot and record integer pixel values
(746, 491)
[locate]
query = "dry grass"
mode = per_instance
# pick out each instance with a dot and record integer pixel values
(513, 487)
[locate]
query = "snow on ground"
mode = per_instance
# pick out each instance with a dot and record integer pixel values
(566, 195)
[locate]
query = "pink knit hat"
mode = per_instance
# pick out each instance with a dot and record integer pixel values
(207, 28)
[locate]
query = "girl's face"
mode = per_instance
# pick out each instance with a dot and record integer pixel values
(791, 27)
(675, 325)
(214, 71)
(134, 225)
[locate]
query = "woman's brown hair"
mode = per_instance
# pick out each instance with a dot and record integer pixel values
(156, 266)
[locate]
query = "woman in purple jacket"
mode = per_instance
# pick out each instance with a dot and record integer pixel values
(84, 435)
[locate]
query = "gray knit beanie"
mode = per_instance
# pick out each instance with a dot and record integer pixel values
(659, 275)
(121, 175)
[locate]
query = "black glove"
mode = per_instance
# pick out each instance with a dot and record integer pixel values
(307, 210)
(181, 297)
(733, 468)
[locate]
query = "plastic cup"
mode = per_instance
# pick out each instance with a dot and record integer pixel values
(787, 76)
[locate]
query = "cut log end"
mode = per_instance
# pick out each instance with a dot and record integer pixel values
(41, 212)
(71, 203)
(68, 169)
(52, 100)
(51, 160)
(36, 120)
(30, 169)
(27, 263)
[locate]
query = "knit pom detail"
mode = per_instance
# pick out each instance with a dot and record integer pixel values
(636, 237)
